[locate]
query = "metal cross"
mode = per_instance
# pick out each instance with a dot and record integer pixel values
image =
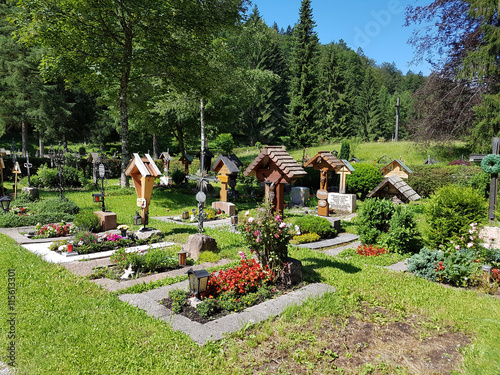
(28, 166)
(60, 160)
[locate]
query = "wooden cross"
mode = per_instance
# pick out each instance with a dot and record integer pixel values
(16, 170)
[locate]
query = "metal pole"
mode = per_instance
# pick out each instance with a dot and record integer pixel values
(202, 163)
(494, 183)
(397, 120)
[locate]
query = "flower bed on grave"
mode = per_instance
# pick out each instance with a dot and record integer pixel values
(142, 263)
(210, 214)
(311, 228)
(229, 291)
(88, 242)
(54, 230)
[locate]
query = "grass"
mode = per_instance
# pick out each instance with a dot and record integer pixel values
(66, 324)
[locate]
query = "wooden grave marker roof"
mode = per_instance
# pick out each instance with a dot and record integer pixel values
(165, 156)
(275, 159)
(325, 159)
(397, 183)
(144, 166)
(186, 159)
(225, 164)
(396, 167)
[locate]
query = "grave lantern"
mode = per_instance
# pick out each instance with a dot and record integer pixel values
(137, 218)
(198, 281)
(5, 202)
(182, 257)
(97, 197)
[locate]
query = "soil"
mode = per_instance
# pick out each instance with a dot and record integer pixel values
(373, 340)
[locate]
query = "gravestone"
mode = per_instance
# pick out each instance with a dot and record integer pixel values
(299, 196)
(342, 202)
(197, 243)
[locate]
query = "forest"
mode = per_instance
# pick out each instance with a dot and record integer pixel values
(146, 74)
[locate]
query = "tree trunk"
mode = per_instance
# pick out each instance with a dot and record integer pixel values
(41, 145)
(156, 146)
(24, 135)
(124, 81)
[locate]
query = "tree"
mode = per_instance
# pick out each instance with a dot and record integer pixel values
(112, 46)
(302, 110)
(368, 107)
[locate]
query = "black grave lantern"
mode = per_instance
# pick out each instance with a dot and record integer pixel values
(198, 281)
(137, 218)
(5, 202)
(97, 197)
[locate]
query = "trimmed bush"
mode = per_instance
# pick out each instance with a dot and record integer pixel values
(315, 224)
(403, 236)
(449, 213)
(363, 179)
(374, 219)
(345, 151)
(225, 143)
(424, 263)
(178, 176)
(305, 238)
(87, 221)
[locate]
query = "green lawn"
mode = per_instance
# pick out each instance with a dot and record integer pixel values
(67, 325)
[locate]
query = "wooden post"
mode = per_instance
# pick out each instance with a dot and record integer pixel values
(223, 187)
(494, 183)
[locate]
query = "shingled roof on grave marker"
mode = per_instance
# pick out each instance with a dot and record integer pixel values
(399, 185)
(396, 168)
(225, 160)
(331, 160)
(290, 169)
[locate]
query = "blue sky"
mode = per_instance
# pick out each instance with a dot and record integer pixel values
(374, 25)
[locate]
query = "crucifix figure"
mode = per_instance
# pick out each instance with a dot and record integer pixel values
(28, 166)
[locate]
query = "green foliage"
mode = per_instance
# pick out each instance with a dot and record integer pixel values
(208, 256)
(345, 151)
(315, 224)
(55, 205)
(82, 151)
(374, 219)
(207, 308)
(363, 179)
(178, 176)
(153, 260)
(179, 297)
(424, 263)
(225, 143)
(458, 267)
(210, 213)
(86, 220)
(305, 238)
(403, 235)
(449, 213)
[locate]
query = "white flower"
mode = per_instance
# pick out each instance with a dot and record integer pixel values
(247, 213)
(251, 220)
(470, 244)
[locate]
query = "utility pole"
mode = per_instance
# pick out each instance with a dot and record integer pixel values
(397, 120)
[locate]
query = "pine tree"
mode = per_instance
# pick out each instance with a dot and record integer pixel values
(303, 110)
(368, 108)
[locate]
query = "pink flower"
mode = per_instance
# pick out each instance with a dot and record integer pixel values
(251, 220)
(457, 247)
(470, 244)
(256, 233)
(247, 213)
(277, 217)
(258, 240)
(471, 231)
(282, 225)
(242, 255)
(276, 236)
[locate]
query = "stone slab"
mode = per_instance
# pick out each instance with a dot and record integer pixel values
(342, 202)
(226, 207)
(336, 251)
(399, 267)
(215, 330)
(339, 240)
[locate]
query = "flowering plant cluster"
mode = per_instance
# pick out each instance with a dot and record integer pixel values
(111, 237)
(473, 240)
(55, 230)
(122, 227)
(495, 275)
(370, 250)
(245, 278)
(268, 236)
(86, 238)
(20, 211)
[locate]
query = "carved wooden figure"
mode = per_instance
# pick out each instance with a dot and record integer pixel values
(275, 167)
(143, 172)
(324, 161)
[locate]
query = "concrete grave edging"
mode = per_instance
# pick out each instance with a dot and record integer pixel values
(215, 330)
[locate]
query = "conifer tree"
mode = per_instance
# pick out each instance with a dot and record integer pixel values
(303, 109)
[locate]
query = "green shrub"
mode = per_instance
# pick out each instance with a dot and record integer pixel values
(449, 213)
(47, 176)
(178, 176)
(87, 221)
(345, 151)
(305, 238)
(374, 219)
(153, 260)
(403, 235)
(225, 143)
(458, 267)
(364, 179)
(424, 263)
(179, 298)
(55, 205)
(73, 177)
(207, 308)
(82, 151)
(315, 224)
